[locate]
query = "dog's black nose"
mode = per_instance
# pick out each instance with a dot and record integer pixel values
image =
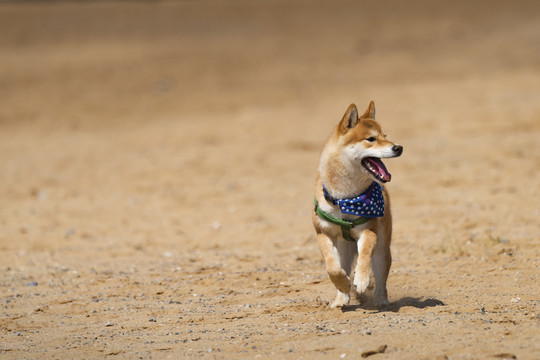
(398, 149)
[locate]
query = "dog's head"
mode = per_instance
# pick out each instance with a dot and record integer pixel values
(365, 143)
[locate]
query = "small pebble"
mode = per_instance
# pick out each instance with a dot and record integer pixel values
(69, 233)
(31, 283)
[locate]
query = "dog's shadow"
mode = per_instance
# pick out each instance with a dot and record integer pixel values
(396, 305)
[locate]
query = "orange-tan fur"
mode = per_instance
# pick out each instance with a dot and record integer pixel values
(353, 263)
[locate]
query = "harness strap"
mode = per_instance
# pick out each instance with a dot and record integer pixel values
(345, 225)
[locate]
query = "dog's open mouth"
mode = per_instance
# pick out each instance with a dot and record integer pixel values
(376, 167)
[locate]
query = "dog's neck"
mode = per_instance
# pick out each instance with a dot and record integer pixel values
(342, 178)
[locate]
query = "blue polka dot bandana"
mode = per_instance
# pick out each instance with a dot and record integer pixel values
(368, 204)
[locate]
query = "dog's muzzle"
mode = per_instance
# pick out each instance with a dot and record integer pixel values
(397, 149)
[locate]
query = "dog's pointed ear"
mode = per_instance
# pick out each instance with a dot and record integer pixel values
(370, 112)
(350, 119)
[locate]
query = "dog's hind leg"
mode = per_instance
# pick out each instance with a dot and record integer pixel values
(362, 274)
(334, 266)
(347, 255)
(382, 260)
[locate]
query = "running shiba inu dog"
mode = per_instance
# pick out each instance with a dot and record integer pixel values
(352, 209)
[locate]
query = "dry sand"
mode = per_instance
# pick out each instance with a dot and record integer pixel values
(157, 163)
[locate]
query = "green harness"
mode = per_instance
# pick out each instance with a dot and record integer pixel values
(346, 225)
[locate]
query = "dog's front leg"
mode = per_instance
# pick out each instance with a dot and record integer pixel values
(362, 274)
(337, 274)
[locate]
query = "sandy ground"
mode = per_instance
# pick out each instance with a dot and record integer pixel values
(157, 162)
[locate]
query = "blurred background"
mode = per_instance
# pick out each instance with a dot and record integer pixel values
(144, 141)
(203, 109)
(96, 60)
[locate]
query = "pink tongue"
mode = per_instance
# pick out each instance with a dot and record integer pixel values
(379, 168)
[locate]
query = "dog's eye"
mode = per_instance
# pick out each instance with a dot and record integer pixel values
(370, 139)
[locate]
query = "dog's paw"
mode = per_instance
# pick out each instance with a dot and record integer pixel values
(341, 300)
(361, 282)
(340, 279)
(380, 301)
